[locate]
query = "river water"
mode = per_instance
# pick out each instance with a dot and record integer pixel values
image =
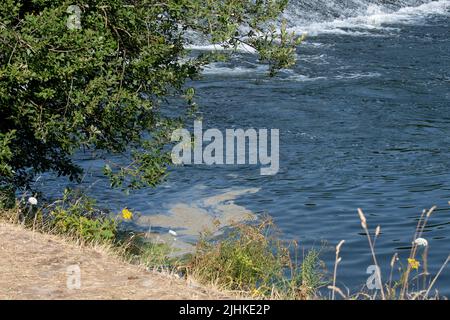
(364, 121)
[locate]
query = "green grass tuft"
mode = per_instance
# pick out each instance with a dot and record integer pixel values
(251, 259)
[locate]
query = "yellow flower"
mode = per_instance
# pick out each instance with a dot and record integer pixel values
(414, 264)
(127, 214)
(256, 292)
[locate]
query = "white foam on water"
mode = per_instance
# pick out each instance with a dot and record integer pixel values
(217, 47)
(362, 19)
(208, 214)
(373, 19)
(347, 76)
(302, 78)
(217, 69)
(352, 76)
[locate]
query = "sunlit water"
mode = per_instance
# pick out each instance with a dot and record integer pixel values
(364, 121)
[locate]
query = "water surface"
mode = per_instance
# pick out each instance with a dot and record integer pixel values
(364, 121)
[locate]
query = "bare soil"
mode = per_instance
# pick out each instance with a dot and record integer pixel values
(41, 266)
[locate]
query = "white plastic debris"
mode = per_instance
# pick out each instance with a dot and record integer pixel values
(173, 233)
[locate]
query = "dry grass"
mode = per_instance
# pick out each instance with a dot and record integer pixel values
(250, 261)
(398, 290)
(34, 266)
(35, 254)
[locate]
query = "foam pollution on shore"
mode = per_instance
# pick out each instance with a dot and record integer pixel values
(208, 214)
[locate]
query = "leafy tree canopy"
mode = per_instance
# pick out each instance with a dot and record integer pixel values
(93, 75)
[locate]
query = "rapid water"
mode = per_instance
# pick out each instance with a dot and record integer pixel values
(358, 17)
(364, 121)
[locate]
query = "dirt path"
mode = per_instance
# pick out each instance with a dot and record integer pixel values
(40, 266)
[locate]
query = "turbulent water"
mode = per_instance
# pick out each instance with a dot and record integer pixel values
(322, 10)
(364, 121)
(358, 16)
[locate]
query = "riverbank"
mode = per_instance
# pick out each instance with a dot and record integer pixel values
(42, 266)
(78, 255)
(250, 261)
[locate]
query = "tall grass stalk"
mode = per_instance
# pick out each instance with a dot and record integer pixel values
(421, 224)
(372, 249)
(391, 273)
(336, 262)
(436, 277)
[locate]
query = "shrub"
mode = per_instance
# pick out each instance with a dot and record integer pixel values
(151, 254)
(77, 216)
(93, 77)
(252, 259)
